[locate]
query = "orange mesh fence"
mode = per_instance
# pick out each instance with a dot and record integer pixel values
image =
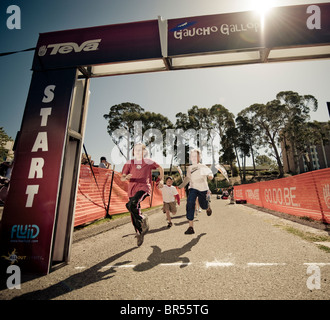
(305, 195)
(93, 197)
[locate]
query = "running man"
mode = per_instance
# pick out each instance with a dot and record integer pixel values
(138, 172)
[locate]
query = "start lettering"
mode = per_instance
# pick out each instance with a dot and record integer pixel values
(40, 144)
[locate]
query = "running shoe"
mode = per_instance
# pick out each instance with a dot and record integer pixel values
(190, 230)
(145, 224)
(209, 211)
(140, 238)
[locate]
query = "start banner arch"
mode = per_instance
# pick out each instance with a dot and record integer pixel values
(37, 221)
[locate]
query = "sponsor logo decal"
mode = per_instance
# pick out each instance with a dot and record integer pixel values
(182, 26)
(24, 233)
(13, 257)
(69, 47)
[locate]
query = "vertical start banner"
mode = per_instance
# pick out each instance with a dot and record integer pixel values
(30, 212)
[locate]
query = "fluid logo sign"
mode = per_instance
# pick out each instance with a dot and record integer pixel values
(68, 47)
(24, 232)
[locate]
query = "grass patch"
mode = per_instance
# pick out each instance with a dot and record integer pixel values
(307, 218)
(324, 248)
(103, 220)
(113, 217)
(309, 237)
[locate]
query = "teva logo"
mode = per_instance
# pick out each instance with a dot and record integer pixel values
(68, 47)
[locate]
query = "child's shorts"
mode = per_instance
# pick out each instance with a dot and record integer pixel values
(170, 206)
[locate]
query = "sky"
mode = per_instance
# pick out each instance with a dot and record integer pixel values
(235, 87)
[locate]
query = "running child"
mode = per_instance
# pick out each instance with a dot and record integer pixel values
(170, 194)
(138, 172)
(197, 175)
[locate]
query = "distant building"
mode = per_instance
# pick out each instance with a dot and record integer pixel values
(318, 156)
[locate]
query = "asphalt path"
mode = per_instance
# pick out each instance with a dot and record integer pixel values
(236, 253)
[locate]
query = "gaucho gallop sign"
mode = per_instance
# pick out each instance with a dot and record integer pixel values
(213, 33)
(279, 27)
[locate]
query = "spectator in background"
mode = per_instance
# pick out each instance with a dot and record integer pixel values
(86, 161)
(5, 175)
(3, 168)
(104, 163)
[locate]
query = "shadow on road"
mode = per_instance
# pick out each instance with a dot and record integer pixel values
(163, 228)
(170, 256)
(78, 280)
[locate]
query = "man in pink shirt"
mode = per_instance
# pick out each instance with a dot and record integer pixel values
(138, 172)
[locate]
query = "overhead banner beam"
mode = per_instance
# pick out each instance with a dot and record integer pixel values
(280, 34)
(98, 50)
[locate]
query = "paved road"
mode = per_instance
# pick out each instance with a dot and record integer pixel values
(236, 253)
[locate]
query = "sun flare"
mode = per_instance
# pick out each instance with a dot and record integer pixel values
(262, 6)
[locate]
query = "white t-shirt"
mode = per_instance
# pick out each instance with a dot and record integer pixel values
(197, 174)
(169, 193)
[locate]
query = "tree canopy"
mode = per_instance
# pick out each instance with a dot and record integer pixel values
(127, 118)
(4, 138)
(258, 126)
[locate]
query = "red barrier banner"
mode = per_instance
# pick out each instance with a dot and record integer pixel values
(93, 195)
(304, 195)
(30, 211)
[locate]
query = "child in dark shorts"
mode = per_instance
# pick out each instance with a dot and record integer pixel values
(170, 197)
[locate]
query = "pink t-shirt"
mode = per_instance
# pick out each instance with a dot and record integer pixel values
(141, 175)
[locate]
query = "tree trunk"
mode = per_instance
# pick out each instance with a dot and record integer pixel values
(239, 166)
(254, 165)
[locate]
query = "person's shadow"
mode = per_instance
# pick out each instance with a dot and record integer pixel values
(98, 273)
(170, 256)
(78, 280)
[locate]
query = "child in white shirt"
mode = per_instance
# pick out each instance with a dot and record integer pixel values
(170, 194)
(197, 175)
